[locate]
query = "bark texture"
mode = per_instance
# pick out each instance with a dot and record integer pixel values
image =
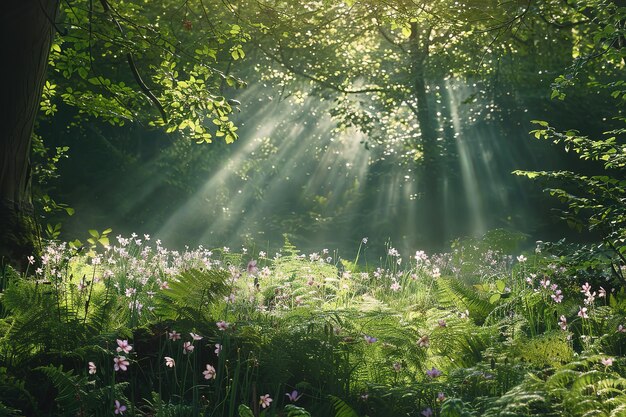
(26, 34)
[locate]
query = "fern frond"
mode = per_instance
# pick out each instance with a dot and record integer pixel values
(189, 295)
(342, 409)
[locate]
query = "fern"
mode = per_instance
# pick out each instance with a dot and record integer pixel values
(342, 409)
(189, 295)
(456, 293)
(71, 389)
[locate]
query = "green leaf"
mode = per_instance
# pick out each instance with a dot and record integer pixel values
(94, 233)
(244, 411)
(500, 285)
(494, 298)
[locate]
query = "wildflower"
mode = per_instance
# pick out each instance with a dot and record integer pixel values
(210, 372)
(298, 300)
(621, 329)
(119, 408)
(602, 293)
(441, 397)
(442, 323)
(123, 346)
(252, 268)
(164, 286)
(130, 292)
(586, 288)
(218, 349)
(395, 286)
(314, 257)
(222, 325)
(265, 400)
(195, 336)
(428, 412)
(364, 241)
(120, 363)
(557, 296)
(563, 323)
(92, 368)
(436, 273)
(397, 366)
(188, 348)
(529, 280)
(226, 249)
(262, 254)
(607, 362)
(293, 396)
(423, 341)
(465, 314)
(364, 397)
(370, 339)
(521, 259)
(433, 373)
(393, 252)
(173, 335)
(31, 259)
(583, 312)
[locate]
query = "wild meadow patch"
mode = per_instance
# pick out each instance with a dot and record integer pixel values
(125, 326)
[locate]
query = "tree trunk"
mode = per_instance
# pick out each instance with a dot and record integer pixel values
(26, 33)
(432, 220)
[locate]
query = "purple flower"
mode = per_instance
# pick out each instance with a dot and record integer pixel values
(293, 396)
(434, 372)
(119, 408)
(428, 412)
(370, 339)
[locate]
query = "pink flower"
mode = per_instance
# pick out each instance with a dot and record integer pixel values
(170, 362)
(252, 268)
(563, 323)
(195, 336)
(222, 325)
(621, 329)
(607, 361)
(395, 286)
(428, 412)
(173, 335)
(293, 396)
(601, 292)
(265, 400)
(441, 397)
(119, 408)
(442, 323)
(583, 312)
(557, 296)
(218, 349)
(120, 363)
(123, 346)
(370, 339)
(31, 259)
(586, 288)
(434, 372)
(187, 348)
(92, 368)
(210, 372)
